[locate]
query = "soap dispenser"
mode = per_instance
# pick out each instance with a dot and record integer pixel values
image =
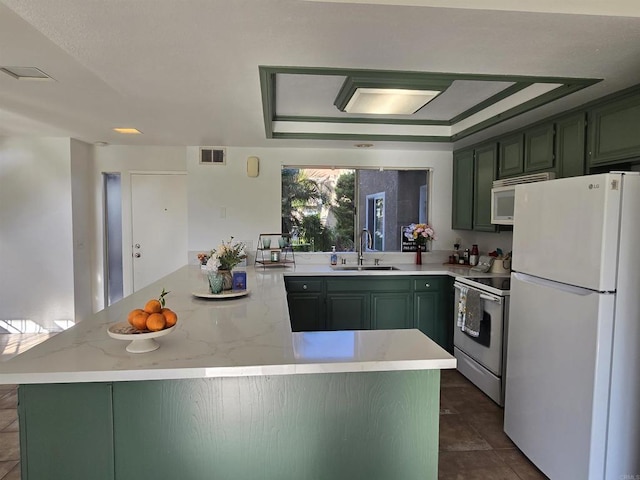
(334, 256)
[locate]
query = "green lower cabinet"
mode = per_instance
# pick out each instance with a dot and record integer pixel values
(340, 426)
(66, 431)
(427, 306)
(348, 311)
(306, 301)
(433, 309)
(306, 311)
(379, 303)
(391, 310)
(369, 425)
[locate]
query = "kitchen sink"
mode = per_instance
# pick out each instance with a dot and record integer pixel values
(363, 267)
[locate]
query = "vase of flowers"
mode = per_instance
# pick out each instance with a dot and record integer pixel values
(224, 258)
(421, 233)
(203, 258)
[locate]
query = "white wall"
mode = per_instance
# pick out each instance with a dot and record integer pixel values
(36, 248)
(51, 211)
(82, 209)
(223, 201)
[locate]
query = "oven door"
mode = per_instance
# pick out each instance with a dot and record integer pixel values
(486, 349)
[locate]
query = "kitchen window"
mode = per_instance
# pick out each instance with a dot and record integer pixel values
(322, 207)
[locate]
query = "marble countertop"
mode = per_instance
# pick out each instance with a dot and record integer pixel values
(233, 337)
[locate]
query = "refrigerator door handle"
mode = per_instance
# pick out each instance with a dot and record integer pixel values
(523, 277)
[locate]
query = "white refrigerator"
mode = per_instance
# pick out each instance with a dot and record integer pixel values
(572, 401)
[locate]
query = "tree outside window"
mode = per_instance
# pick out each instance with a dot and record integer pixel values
(323, 207)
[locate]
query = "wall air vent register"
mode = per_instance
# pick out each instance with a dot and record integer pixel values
(213, 156)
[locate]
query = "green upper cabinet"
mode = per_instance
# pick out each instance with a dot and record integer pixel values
(511, 158)
(614, 131)
(570, 145)
(538, 148)
(462, 203)
(486, 157)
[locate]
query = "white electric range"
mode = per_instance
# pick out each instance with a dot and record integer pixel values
(482, 359)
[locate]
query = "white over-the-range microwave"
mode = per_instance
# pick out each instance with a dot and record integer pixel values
(503, 195)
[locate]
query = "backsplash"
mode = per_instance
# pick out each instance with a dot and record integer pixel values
(487, 242)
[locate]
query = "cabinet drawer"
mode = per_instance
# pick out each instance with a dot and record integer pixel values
(305, 285)
(429, 284)
(369, 284)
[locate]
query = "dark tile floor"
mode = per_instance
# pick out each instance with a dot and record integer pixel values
(472, 443)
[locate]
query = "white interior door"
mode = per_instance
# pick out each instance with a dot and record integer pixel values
(158, 226)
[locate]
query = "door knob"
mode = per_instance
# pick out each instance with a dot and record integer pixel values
(137, 255)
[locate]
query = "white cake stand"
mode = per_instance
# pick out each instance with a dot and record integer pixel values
(141, 342)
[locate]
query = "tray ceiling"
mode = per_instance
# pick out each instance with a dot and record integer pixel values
(187, 72)
(298, 103)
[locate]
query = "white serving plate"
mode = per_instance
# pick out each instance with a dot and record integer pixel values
(219, 296)
(141, 342)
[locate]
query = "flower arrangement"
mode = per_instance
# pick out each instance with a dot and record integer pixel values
(226, 256)
(203, 258)
(420, 232)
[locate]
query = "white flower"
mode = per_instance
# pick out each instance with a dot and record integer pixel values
(213, 263)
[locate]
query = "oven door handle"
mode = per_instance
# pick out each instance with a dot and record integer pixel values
(491, 299)
(483, 296)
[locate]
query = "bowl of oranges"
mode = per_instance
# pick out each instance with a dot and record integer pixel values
(144, 325)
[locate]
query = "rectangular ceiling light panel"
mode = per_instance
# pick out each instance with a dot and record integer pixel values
(128, 131)
(389, 101)
(25, 73)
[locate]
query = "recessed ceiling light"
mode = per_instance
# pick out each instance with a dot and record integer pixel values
(363, 145)
(389, 101)
(100, 144)
(25, 73)
(388, 94)
(128, 131)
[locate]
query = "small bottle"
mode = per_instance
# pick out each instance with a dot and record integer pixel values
(334, 256)
(465, 256)
(473, 258)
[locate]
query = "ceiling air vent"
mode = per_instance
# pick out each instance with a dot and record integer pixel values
(213, 156)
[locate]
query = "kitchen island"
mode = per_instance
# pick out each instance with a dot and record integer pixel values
(230, 393)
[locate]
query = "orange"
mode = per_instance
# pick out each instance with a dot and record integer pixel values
(156, 322)
(153, 306)
(170, 316)
(133, 313)
(139, 321)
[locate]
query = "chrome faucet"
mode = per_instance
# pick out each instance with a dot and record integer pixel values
(364, 234)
